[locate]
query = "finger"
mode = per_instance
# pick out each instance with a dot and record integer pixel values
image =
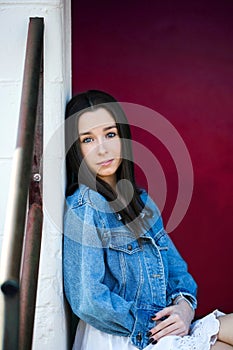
(166, 322)
(174, 319)
(163, 313)
(175, 332)
(170, 330)
(173, 329)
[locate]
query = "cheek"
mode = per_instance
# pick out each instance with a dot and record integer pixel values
(89, 158)
(87, 150)
(87, 155)
(116, 147)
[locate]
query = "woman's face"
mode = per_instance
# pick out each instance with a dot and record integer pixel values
(100, 144)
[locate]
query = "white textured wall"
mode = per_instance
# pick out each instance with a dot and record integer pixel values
(50, 324)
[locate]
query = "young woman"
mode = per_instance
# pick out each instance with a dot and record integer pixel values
(123, 276)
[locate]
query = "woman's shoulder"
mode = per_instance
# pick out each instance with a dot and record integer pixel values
(151, 212)
(148, 201)
(84, 195)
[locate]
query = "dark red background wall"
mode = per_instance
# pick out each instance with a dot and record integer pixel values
(175, 57)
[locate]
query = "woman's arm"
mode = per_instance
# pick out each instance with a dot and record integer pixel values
(179, 279)
(84, 271)
(225, 334)
(181, 298)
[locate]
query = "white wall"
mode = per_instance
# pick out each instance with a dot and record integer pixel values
(50, 325)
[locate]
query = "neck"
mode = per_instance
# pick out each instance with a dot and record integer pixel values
(111, 181)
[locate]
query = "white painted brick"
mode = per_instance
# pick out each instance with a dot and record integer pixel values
(14, 43)
(53, 70)
(10, 105)
(54, 118)
(5, 174)
(1, 238)
(48, 323)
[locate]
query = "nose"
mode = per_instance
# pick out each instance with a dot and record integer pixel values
(101, 148)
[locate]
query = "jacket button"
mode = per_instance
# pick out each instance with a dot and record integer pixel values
(130, 247)
(139, 337)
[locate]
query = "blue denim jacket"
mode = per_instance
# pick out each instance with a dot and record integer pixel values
(113, 281)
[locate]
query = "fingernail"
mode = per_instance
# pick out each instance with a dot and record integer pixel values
(154, 342)
(163, 318)
(149, 334)
(151, 341)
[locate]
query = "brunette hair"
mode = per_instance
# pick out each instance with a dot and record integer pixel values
(77, 170)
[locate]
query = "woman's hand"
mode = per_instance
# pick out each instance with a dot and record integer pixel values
(172, 320)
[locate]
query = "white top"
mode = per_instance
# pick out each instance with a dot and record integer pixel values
(203, 334)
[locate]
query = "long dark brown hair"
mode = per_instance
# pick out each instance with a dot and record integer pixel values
(79, 173)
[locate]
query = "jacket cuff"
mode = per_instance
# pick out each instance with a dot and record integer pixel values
(189, 298)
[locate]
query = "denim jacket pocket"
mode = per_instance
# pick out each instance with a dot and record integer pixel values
(124, 242)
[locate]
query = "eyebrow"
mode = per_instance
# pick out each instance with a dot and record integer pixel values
(104, 129)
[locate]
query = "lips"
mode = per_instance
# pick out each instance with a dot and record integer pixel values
(105, 162)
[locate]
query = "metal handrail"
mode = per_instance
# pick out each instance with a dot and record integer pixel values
(19, 186)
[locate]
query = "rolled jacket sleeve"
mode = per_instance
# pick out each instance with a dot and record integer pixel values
(179, 279)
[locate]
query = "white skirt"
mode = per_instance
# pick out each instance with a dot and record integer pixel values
(203, 334)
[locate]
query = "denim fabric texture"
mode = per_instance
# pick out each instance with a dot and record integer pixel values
(112, 280)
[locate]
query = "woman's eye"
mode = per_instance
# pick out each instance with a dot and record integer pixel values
(111, 134)
(86, 140)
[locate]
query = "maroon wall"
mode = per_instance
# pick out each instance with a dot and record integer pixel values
(175, 57)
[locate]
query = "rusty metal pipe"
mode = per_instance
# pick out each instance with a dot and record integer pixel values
(22, 161)
(32, 241)
(28, 286)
